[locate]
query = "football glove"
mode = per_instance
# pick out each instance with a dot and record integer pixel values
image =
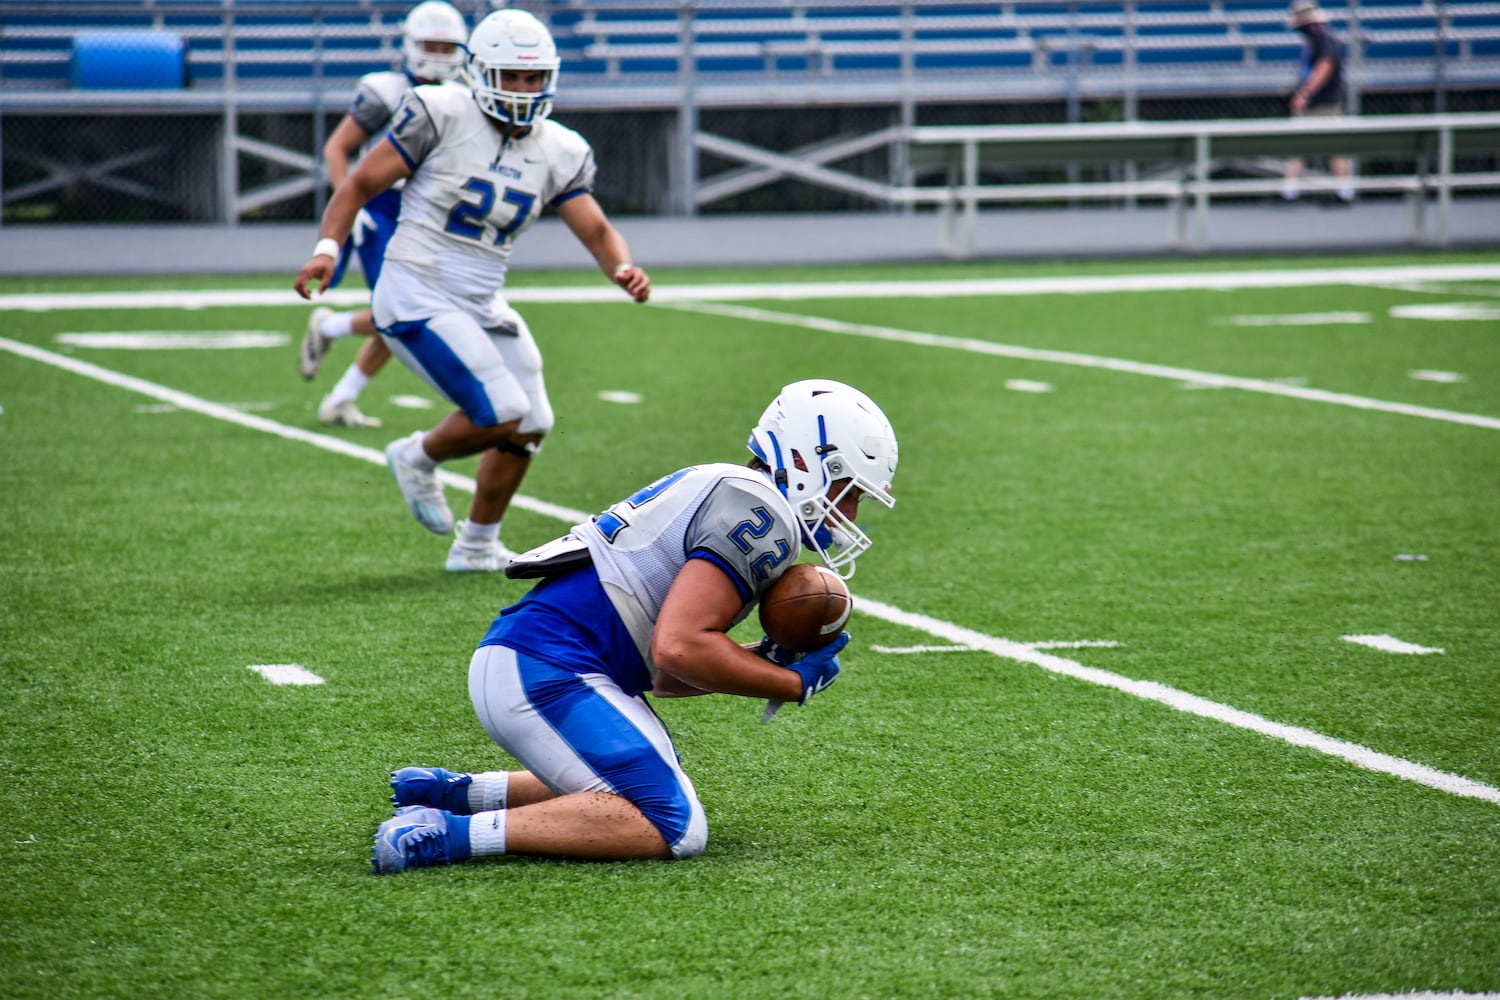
(779, 655)
(820, 668)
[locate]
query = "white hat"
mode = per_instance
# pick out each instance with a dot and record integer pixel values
(1305, 12)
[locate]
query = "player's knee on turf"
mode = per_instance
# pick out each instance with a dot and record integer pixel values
(671, 805)
(694, 839)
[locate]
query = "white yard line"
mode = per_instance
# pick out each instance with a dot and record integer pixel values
(1004, 648)
(1485, 291)
(1196, 378)
(1420, 995)
(796, 291)
(1182, 701)
(228, 414)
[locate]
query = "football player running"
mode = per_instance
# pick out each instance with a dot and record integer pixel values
(433, 36)
(480, 164)
(641, 598)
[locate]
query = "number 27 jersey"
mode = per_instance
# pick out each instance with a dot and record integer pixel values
(728, 514)
(472, 191)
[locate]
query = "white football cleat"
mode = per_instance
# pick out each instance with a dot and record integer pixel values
(421, 490)
(344, 414)
(314, 344)
(469, 556)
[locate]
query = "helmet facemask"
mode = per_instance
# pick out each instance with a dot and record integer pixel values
(826, 529)
(511, 107)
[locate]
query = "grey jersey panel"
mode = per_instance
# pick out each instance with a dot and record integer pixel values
(376, 98)
(729, 513)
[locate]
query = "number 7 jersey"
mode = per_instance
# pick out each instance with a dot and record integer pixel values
(472, 191)
(728, 514)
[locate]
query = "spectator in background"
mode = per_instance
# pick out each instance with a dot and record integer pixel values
(1319, 93)
(433, 36)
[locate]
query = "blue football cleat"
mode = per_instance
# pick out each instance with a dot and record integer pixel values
(431, 786)
(419, 837)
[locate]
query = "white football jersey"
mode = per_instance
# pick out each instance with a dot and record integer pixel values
(472, 192)
(729, 514)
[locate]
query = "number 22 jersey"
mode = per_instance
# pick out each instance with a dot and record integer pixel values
(730, 515)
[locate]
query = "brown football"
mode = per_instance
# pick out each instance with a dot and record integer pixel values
(806, 609)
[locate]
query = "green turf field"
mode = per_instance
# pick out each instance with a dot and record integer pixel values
(1100, 732)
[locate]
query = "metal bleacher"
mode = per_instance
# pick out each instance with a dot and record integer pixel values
(245, 59)
(757, 52)
(877, 50)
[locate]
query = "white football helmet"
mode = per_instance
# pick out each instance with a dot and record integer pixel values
(511, 40)
(815, 433)
(433, 21)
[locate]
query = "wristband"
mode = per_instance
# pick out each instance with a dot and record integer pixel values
(622, 267)
(326, 247)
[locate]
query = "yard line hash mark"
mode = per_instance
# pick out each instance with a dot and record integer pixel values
(1003, 648)
(286, 673)
(1390, 644)
(1462, 312)
(1297, 319)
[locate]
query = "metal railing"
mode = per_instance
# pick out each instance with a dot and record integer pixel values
(266, 63)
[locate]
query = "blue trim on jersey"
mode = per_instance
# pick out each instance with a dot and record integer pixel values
(569, 620)
(569, 196)
(410, 163)
(609, 743)
(450, 373)
(708, 555)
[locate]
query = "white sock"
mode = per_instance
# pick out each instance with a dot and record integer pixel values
(349, 386)
(336, 326)
(1290, 194)
(487, 833)
(1346, 193)
(481, 532)
(417, 457)
(489, 790)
